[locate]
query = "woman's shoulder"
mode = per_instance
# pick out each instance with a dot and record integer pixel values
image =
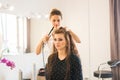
(52, 56)
(75, 61)
(74, 58)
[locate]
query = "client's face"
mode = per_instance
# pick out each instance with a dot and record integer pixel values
(59, 41)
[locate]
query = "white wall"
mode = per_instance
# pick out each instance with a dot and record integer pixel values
(99, 33)
(38, 29)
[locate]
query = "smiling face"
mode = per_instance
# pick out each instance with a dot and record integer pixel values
(60, 41)
(56, 21)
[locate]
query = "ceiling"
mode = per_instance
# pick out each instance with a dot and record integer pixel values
(30, 7)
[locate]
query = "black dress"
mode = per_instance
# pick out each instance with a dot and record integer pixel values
(59, 69)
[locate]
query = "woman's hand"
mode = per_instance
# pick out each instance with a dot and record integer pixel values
(67, 29)
(74, 36)
(45, 38)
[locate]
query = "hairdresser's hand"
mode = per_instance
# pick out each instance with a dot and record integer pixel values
(67, 29)
(45, 38)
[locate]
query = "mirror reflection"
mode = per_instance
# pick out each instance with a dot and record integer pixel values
(13, 30)
(17, 33)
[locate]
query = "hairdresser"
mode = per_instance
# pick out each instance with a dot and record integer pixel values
(55, 19)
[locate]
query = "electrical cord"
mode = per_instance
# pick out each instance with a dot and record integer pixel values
(43, 55)
(43, 45)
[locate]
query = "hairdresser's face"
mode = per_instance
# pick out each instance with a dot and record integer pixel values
(55, 20)
(59, 41)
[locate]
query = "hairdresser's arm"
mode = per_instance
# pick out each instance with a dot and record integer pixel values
(75, 37)
(40, 44)
(39, 47)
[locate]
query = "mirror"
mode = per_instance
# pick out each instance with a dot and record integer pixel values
(13, 31)
(17, 39)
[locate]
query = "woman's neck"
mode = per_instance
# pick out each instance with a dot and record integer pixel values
(62, 55)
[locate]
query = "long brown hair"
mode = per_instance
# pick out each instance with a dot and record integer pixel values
(70, 49)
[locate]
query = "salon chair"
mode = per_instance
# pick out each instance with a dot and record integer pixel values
(103, 73)
(41, 74)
